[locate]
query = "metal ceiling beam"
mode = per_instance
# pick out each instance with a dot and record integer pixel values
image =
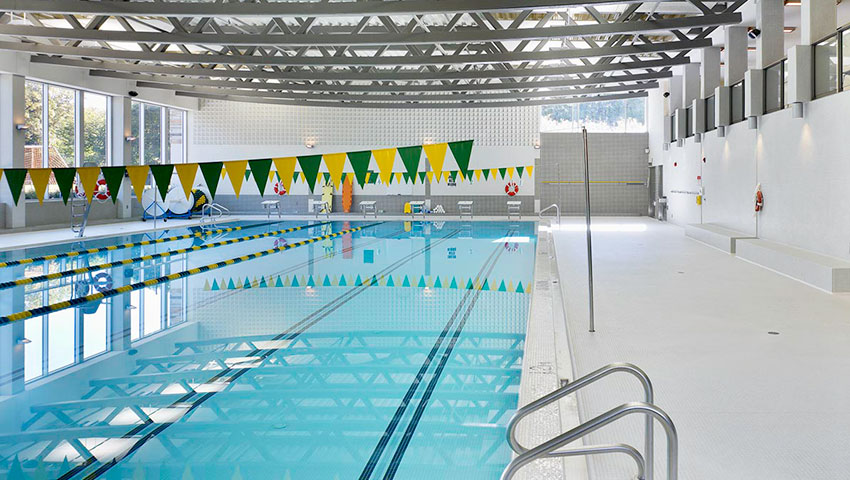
(347, 61)
(404, 97)
(372, 88)
(298, 9)
(355, 75)
(437, 105)
(311, 39)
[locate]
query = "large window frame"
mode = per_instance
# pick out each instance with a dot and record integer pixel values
(737, 114)
(710, 120)
(142, 113)
(842, 64)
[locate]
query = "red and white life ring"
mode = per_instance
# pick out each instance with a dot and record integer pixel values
(101, 192)
(511, 188)
(279, 188)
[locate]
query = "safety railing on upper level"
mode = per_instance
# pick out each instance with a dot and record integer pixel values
(572, 387)
(550, 207)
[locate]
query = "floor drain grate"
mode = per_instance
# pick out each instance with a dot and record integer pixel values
(773, 333)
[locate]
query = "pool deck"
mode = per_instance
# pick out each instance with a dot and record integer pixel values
(747, 404)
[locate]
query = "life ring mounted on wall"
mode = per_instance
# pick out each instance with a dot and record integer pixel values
(759, 198)
(101, 192)
(279, 188)
(511, 188)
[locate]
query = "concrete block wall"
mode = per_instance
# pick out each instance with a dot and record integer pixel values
(614, 157)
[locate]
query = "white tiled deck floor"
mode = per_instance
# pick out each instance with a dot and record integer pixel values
(747, 405)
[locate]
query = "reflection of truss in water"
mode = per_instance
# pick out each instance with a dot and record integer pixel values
(310, 402)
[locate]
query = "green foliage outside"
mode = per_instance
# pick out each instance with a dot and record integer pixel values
(611, 112)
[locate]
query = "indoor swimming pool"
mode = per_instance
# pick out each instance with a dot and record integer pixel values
(278, 350)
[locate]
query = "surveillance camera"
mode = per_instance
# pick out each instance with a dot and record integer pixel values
(753, 33)
(666, 94)
(133, 93)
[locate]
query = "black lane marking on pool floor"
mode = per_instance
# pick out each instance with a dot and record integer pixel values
(423, 402)
(378, 451)
(301, 326)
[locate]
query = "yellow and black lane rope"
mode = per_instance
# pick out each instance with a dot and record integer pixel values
(144, 258)
(55, 307)
(109, 248)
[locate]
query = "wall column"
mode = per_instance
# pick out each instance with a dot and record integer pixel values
(121, 149)
(12, 143)
(818, 18)
(770, 44)
(736, 54)
(709, 71)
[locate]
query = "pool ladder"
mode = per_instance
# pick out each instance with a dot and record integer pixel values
(552, 448)
(550, 207)
(211, 213)
(80, 209)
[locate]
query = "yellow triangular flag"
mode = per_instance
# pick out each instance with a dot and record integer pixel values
(511, 172)
(446, 175)
(186, 173)
(436, 154)
(430, 176)
(285, 167)
(494, 172)
(385, 158)
(460, 174)
(138, 177)
(477, 175)
(88, 179)
(236, 172)
(529, 169)
(271, 176)
(335, 162)
(302, 177)
(397, 177)
(368, 176)
(40, 177)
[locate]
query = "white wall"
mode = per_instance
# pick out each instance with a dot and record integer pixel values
(504, 137)
(803, 166)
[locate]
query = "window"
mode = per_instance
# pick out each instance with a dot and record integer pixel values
(628, 115)
(826, 66)
(710, 123)
(689, 122)
(160, 134)
(95, 119)
(34, 134)
(738, 102)
(672, 120)
(61, 126)
(774, 87)
(845, 60)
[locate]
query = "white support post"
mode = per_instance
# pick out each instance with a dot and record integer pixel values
(736, 54)
(12, 143)
(770, 21)
(121, 149)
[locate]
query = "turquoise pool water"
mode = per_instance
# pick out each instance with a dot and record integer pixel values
(390, 352)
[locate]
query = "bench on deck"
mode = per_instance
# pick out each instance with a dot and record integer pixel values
(822, 271)
(719, 237)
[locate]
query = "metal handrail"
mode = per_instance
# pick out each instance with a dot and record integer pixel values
(207, 212)
(548, 447)
(578, 384)
(557, 209)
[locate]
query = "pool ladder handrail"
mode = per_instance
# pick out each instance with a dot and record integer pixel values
(79, 227)
(550, 207)
(574, 386)
(550, 447)
(207, 211)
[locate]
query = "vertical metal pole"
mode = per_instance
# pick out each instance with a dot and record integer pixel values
(592, 327)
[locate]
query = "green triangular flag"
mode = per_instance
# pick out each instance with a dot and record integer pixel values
(278, 282)
(469, 285)
(502, 287)
(390, 282)
(65, 181)
(263, 283)
(360, 164)
(342, 281)
(462, 151)
(327, 177)
(113, 177)
(295, 176)
(230, 285)
(406, 282)
(438, 283)
(373, 177)
(486, 285)
(502, 172)
(15, 177)
(247, 174)
(214, 285)
(422, 176)
(519, 288)
(421, 283)
(486, 173)
(519, 171)
(326, 282)
(410, 157)
(212, 174)
(454, 283)
(295, 281)
(310, 282)
(453, 175)
(358, 281)
(162, 177)
(260, 170)
(246, 283)
(310, 166)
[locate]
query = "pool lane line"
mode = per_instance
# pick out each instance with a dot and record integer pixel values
(121, 246)
(144, 258)
(54, 307)
(381, 446)
(395, 462)
(290, 334)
